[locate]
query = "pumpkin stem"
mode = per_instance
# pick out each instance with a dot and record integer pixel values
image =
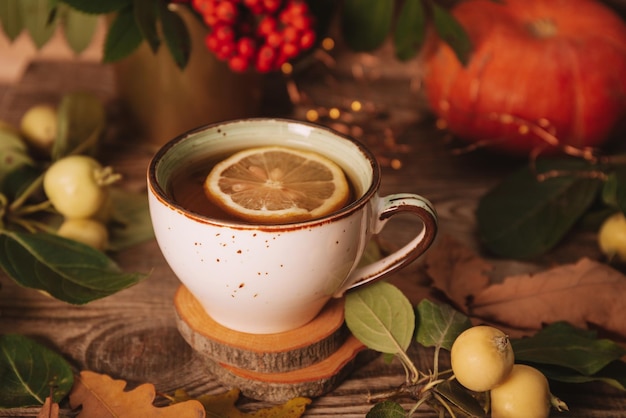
(542, 28)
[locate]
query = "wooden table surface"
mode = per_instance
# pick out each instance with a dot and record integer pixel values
(132, 335)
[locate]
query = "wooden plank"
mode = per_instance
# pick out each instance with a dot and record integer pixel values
(133, 335)
(311, 381)
(264, 353)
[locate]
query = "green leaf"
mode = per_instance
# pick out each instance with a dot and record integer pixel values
(381, 317)
(79, 28)
(613, 375)
(10, 139)
(439, 324)
(609, 190)
(176, 36)
(19, 180)
(11, 18)
(131, 223)
(561, 344)
(98, 7)
(523, 217)
(13, 154)
(458, 396)
(387, 409)
(324, 13)
(30, 372)
(81, 120)
(410, 30)
(36, 17)
(614, 192)
(11, 160)
(66, 269)
(452, 33)
(123, 37)
(366, 23)
(146, 16)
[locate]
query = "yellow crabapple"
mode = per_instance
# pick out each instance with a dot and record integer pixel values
(481, 357)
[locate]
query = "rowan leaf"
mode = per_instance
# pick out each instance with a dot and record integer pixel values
(101, 396)
(366, 23)
(11, 18)
(36, 16)
(123, 37)
(145, 16)
(410, 30)
(452, 32)
(98, 7)
(79, 29)
(176, 36)
(223, 405)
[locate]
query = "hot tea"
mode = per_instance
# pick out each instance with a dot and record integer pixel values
(187, 188)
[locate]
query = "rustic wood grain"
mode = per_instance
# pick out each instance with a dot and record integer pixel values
(263, 353)
(133, 335)
(311, 381)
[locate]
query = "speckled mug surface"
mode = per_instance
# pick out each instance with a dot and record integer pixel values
(264, 279)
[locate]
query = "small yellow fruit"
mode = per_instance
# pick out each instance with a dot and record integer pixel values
(87, 231)
(524, 394)
(39, 127)
(481, 358)
(612, 237)
(76, 186)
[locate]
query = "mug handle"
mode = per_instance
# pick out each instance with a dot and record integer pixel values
(389, 206)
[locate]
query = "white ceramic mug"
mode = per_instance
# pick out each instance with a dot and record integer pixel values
(272, 278)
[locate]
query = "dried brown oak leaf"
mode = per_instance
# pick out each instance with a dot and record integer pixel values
(103, 397)
(586, 292)
(223, 405)
(49, 409)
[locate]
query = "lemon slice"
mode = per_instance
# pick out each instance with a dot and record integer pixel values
(277, 184)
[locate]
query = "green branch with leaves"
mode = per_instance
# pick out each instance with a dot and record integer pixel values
(32, 253)
(365, 25)
(383, 319)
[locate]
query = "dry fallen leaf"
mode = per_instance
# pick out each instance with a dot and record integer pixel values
(584, 293)
(49, 409)
(456, 271)
(223, 405)
(103, 397)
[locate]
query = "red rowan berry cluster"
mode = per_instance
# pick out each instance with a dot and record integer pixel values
(259, 34)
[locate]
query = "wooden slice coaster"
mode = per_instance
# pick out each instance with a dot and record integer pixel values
(265, 353)
(310, 382)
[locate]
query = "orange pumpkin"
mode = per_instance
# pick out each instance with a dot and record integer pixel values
(543, 75)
